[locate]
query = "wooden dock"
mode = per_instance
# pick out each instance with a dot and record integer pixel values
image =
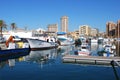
(97, 60)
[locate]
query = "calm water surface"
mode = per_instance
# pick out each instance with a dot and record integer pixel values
(47, 65)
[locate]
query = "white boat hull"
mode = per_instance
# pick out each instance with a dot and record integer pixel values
(94, 41)
(36, 44)
(65, 41)
(83, 53)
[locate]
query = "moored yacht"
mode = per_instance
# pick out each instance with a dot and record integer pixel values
(109, 50)
(84, 50)
(36, 44)
(94, 40)
(64, 40)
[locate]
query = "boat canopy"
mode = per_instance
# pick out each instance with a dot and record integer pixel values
(61, 33)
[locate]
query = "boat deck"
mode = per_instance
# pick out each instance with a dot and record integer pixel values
(97, 60)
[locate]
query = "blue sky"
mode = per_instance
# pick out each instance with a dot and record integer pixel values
(39, 13)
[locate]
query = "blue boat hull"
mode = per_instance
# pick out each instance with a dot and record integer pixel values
(13, 53)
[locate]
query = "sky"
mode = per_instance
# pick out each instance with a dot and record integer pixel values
(35, 14)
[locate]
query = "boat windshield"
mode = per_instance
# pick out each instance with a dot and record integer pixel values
(16, 37)
(84, 48)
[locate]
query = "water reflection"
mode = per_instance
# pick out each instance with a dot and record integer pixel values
(49, 56)
(28, 67)
(63, 50)
(11, 59)
(11, 62)
(94, 48)
(41, 56)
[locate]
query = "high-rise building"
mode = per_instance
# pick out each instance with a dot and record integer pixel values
(85, 30)
(64, 24)
(118, 29)
(94, 32)
(110, 29)
(53, 28)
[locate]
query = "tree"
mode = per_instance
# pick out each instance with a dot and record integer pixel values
(13, 26)
(2, 25)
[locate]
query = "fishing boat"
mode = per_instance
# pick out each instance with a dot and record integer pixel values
(84, 50)
(36, 44)
(11, 48)
(64, 40)
(109, 50)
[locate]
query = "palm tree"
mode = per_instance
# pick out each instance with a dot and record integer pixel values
(13, 26)
(5, 26)
(2, 25)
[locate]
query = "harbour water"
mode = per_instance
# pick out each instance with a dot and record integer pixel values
(48, 65)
